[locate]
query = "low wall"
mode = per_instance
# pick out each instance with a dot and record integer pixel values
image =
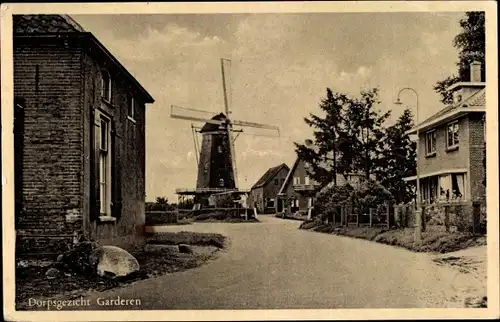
(170, 217)
(450, 216)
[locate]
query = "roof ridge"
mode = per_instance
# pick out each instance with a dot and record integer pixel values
(268, 175)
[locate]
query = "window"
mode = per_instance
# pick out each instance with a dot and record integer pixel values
(106, 86)
(221, 182)
(296, 180)
(104, 134)
(219, 149)
(307, 182)
(131, 107)
(430, 143)
(457, 186)
(452, 186)
(282, 181)
(276, 182)
(452, 135)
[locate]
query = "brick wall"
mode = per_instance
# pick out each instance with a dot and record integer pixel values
(128, 159)
(48, 77)
(476, 148)
(59, 80)
(271, 189)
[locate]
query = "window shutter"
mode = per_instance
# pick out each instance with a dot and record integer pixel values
(96, 186)
(116, 195)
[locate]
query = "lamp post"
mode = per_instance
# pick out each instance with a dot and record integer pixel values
(418, 224)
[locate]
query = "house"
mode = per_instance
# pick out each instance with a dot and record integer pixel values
(263, 193)
(298, 190)
(451, 145)
(79, 139)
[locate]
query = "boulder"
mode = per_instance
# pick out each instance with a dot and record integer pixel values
(52, 273)
(186, 249)
(113, 261)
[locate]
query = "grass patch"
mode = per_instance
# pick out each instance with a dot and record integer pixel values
(432, 241)
(31, 281)
(185, 237)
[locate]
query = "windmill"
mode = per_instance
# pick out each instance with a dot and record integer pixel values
(217, 171)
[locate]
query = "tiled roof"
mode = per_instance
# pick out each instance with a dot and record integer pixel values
(477, 99)
(45, 24)
(269, 175)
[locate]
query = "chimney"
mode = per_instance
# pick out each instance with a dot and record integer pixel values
(475, 72)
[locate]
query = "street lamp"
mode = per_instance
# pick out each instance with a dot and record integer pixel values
(418, 211)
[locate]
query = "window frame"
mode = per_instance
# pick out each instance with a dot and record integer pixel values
(430, 134)
(131, 106)
(106, 158)
(454, 145)
(103, 96)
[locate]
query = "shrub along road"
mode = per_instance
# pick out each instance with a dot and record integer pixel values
(274, 265)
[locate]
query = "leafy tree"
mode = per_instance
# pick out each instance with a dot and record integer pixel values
(398, 158)
(362, 131)
(471, 45)
(162, 200)
(323, 159)
(346, 138)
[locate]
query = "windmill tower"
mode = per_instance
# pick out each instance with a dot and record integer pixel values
(217, 172)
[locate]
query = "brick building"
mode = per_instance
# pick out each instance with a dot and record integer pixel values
(79, 138)
(298, 190)
(264, 191)
(452, 145)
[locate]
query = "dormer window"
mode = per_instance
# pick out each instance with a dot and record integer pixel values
(106, 86)
(221, 182)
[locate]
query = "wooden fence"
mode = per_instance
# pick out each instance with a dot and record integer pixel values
(346, 216)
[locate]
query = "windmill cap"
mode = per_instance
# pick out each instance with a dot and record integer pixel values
(209, 127)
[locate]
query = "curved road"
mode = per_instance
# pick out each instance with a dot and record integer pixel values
(274, 265)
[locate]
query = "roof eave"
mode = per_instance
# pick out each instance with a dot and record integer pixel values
(465, 84)
(148, 98)
(454, 114)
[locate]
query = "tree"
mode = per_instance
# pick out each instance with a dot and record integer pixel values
(346, 138)
(361, 133)
(323, 159)
(471, 45)
(398, 158)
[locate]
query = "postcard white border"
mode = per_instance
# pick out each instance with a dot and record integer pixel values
(490, 7)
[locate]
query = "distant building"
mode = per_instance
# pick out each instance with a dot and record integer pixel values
(451, 145)
(79, 139)
(264, 191)
(298, 190)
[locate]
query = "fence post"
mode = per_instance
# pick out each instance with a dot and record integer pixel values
(418, 225)
(334, 213)
(342, 214)
(371, 210)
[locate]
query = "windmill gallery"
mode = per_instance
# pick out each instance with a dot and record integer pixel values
(217, 171)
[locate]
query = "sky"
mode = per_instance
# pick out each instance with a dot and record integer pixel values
(281, 65)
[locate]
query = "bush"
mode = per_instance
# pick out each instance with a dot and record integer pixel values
(369, 194)
(161, 217)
